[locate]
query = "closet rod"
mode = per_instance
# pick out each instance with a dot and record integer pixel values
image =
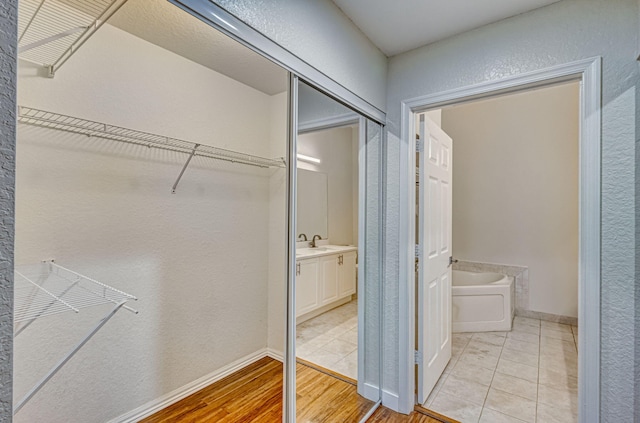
(51, 120)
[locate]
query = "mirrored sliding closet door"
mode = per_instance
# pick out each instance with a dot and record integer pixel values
(166, 153)
(337, 263)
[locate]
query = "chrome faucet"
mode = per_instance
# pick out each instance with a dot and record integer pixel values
(313, 242)
(302, 235)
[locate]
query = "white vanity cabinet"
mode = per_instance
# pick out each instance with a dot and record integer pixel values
(324, 281)
(347, 274)
(307, 272)
(329, 283)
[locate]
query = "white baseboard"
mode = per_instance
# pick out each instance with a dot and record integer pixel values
(321, 310)
(174, 396)
(556, 318)
(275, 354)
(390, 400)
(370, 392)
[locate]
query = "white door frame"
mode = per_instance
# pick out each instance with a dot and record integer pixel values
(588, 72)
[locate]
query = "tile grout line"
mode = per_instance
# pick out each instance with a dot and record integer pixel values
(321, 348)
(492, 377)
(447, 375)
(537, 378)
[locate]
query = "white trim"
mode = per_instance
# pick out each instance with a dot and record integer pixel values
(362, 190)
(406, 295)
(369, 391)
(525, 81)
(328, 122)
(176, 395)
(216, 16)
(321, 310)
(588, 71)
(275, 354)
(391, 400)
(289, 383)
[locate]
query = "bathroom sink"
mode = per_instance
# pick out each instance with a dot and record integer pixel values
(321, 250)
(311, 250)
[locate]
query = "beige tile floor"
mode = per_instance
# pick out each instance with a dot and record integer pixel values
(331, 340)
(526, 375)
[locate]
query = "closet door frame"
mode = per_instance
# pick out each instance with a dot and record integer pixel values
(289, 415)
(228, 24)
(225, 22)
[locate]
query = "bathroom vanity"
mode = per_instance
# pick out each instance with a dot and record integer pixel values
(325, 278)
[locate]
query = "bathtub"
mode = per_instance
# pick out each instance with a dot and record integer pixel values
(482, 302)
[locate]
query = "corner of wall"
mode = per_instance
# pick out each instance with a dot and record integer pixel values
(8, 69)
(319, 33)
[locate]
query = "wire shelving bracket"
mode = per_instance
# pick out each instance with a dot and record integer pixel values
(51, 120)
(46, 289)
(51, 31)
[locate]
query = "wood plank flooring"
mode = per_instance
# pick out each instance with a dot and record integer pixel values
(254, 394)
(383, 414)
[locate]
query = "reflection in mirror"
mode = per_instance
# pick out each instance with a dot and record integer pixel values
(311, 207)
(207, 262)
(337, 289)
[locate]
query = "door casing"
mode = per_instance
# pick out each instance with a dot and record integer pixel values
(589, 73)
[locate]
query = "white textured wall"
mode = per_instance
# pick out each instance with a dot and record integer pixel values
(334, 149)
(556, 34)
(515, 189)
(8, 50)
(198, 260)
(318, 32)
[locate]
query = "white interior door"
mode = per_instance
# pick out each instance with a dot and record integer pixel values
(434, 238)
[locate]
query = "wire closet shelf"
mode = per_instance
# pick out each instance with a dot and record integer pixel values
(45, 119)
(48, 288)
(51, 31)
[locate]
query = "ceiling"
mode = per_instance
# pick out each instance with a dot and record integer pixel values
(165, 25)
(402, 25)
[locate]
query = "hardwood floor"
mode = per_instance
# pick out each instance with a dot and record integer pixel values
(254, 395)
(324, 398)
(383, 414)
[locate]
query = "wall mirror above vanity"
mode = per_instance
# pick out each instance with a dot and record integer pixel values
(312, 206)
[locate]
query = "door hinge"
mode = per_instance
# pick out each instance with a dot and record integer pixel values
(419, 146)
(418, 250)
(417, 357)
